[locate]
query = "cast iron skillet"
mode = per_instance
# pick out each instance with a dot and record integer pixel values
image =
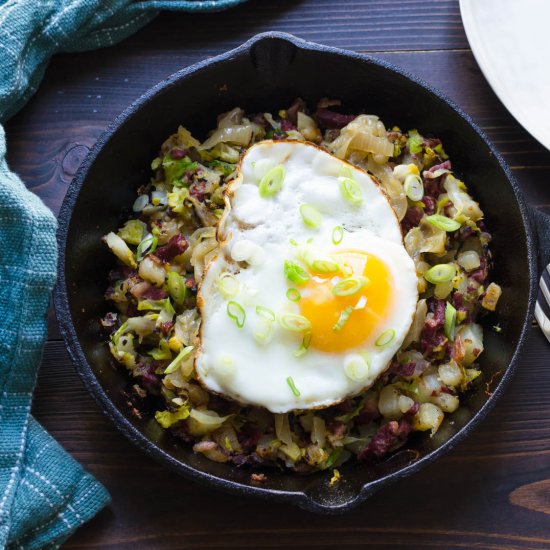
(265, 73)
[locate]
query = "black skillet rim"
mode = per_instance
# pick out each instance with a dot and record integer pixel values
(87, 375)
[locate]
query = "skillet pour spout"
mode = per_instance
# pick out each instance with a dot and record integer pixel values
(267, 72)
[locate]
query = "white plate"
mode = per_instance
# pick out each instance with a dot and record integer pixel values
(510, 41)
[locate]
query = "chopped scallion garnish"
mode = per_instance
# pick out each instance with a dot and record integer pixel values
(343, 319)
(356, 368)
(147, 246)
(178, 359)
(311, 216)
(337, 235)
(263, 331)
(272, 182)
(349, 286)
(293, 295)
(325, 266)
(413, 187)
(440, 273)
(306, 341)
(294, 322)
(450, 321)
(237, 313)
(295, 273)
(176, 287)
(265, 312)
(228, 285)
(292, 386)
(351, 191)
(385, 338)
(443, 223)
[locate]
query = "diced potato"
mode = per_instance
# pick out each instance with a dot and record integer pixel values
(446, 402)
(428, 417)
(405, 403)
(388, 403)
(469, 260)
(450, 374)
(428, 384)
(472, 338)
(492, 294)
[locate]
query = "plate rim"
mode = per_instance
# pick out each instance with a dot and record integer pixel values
(476, 46)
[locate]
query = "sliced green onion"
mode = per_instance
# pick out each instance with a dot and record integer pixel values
(178, 359)
(306, 341)
(414, 188)
(440, 273)
(228, 285)
(292, 242)
(347, 270)
(366, 357)
(272, 182)
(345, 171)
(351, 191)
(237, 313)
(295, 273)
(343, 319)
(294, 322)
(444, 223)
(349, 286)
(293, 295)
(265, 312)
(356, 368)
(119, 332)
(385, 338)
(147, 246)
(292, 386)
(325, 266)
(263, 331)
(337, 234)
(176, 287)
(311, 216)
(450, 321)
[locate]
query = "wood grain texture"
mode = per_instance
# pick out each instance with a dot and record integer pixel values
(491, 492)
(464, 500)
(533, 496)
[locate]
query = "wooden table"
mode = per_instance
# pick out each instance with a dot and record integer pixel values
(492, 491)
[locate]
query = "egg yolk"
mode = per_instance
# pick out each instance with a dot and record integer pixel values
(370, 304)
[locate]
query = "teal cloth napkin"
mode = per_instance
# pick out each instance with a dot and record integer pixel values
(44, 494)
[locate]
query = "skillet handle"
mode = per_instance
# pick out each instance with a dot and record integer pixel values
(541, 226)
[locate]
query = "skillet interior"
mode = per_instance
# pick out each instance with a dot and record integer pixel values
(264, 74)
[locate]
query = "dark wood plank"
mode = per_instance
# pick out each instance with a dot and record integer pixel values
(464, 500)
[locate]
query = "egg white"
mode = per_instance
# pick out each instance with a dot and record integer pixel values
(261, 230)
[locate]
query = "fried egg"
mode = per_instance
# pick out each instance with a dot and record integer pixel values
(312, 292)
